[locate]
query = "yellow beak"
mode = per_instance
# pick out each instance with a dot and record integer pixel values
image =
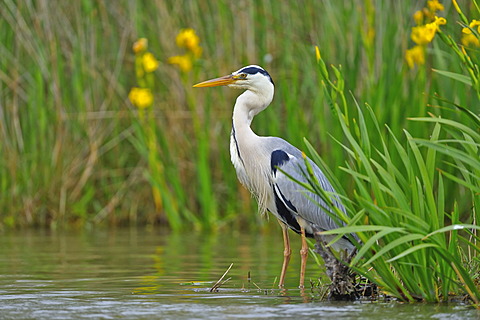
(222, 81)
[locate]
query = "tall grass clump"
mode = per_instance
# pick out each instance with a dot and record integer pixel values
(62, 141)
(417, 241)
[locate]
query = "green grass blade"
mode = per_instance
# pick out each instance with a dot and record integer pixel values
(412, 250)
(455, 76)
(392, 245)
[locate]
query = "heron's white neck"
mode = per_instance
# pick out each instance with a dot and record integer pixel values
(246, 147)
(247, 106)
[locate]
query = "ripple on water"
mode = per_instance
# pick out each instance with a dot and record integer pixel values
(126, 274)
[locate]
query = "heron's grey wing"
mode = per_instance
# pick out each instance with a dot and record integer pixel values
(293, 196)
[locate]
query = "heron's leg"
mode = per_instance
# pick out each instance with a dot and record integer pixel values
(287, 252)
(303, 256)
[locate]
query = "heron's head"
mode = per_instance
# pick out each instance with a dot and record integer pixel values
(251, 77)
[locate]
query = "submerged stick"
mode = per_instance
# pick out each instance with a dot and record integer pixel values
(343, 282)
(219, 282)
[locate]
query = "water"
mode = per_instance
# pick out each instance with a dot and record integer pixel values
(150, 274)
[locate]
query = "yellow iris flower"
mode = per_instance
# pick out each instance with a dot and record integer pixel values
(434, 5)
(188, 39)
(415, 56)
(150, 64)
(183, 62)
(472, 25)
(469, 39)
(423, 34)
(141, 97)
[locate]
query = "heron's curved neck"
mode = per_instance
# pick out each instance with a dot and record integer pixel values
(247, 106)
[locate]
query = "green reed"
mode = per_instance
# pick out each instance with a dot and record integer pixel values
(417, 244)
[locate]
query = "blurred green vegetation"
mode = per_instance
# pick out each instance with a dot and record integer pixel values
(70, 143)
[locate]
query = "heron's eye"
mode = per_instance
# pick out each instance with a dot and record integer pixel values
(243, 76)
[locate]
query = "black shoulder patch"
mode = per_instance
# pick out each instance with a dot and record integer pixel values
(278, 158)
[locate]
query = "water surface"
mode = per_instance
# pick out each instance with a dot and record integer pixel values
(153, 274)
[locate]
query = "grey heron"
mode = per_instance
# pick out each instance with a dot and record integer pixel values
(261, 164)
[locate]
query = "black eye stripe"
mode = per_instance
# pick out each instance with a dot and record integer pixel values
(252, 70)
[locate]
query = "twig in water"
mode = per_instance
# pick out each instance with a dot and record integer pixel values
(256, 286)
(342, 286)
(219, 282)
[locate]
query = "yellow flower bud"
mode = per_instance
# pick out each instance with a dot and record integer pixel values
(457, 7)
(418, 17)
(317, 53)
(140, 45)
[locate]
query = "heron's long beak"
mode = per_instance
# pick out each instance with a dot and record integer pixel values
(222, 81)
